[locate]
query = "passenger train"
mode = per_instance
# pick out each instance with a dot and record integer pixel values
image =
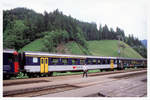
(33, 63)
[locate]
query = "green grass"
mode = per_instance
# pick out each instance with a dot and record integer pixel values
(66, 73)
(36, 45)
(73, 73)
(110, 48)
(74, 48)
(93, 71)
(97, 48)
(103, 48)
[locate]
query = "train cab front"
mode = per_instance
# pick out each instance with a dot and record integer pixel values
(10, 64)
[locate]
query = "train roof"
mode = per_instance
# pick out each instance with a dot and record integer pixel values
(31, 53)
(8, 51)
(64, 55)
(76, 56)
(131, 58)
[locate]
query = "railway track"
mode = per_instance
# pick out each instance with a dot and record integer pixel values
(31, 92)
(39, 91)
(40, 79)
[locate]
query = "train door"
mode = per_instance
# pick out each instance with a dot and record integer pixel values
(44, 65)
(111, 64)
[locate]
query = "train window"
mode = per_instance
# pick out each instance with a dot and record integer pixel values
(10, 58)
(7, 59)
(115, 61)
(59, 61)
(102, 61)
(124, 61)
(88, 61)
(50, 61)
(54, 61)
(42, 61)
(76, 61)
(129, 62)
(45, 61)
(35, 60)
(82, 61)
(99, 61)
(73, 62)
(94, 61)
(119, 61)
(69, 61)
(64, 61)
(105, 61)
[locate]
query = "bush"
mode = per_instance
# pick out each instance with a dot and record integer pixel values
(53, 38)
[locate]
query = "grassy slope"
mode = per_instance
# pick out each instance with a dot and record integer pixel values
(98, 48)
(74, 48)
(33, 46)
(110, 48)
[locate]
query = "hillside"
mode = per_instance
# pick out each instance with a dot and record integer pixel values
(110, 48)
(36, 45)
(97, 48)
(22, 26)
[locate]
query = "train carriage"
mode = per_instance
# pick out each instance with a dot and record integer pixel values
(34, 63)
(39, 62)
(131, 62)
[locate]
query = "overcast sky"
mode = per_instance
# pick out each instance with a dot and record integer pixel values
(129, 15)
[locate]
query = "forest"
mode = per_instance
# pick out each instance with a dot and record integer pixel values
(22, 26)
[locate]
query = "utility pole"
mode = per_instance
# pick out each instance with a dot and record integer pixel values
(123, 47)
(119, 45)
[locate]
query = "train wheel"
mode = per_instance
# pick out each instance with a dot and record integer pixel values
(38, 75)
(35, 74)
(42, 75)
(46, 75)
(50, 74)
(112, 69)
(6, 77)
(100, 70)
(30, 75)
(104, 70)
